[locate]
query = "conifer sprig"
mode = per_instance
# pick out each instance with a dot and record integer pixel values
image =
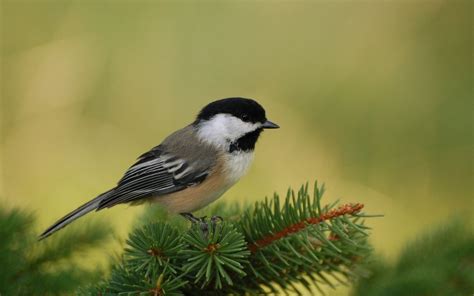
(152, 246)
(216, 257)
(49, 267)
(440, 261)
(302, 237)
(347, 209)
(273, 244)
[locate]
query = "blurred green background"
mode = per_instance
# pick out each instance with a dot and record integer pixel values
(374, 98)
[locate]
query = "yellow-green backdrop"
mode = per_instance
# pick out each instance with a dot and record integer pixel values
(374, 98)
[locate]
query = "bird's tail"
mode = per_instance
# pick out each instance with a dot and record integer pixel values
(77, 213)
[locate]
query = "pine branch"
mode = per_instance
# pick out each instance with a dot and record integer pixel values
(29, 267)
(438, 263)
(271, 244)
(347, 209)
(217, 257)
(302, 237)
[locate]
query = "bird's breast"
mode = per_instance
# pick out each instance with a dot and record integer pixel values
(236, 164)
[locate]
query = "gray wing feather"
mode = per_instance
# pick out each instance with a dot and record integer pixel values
(179, 162)
(77, 213)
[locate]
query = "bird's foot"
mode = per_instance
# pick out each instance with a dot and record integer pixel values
(202, 221)
(191, 218)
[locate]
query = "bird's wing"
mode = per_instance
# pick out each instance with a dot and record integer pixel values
(156, 172)
(182, 160)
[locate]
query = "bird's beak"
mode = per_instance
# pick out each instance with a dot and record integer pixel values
(269, 124)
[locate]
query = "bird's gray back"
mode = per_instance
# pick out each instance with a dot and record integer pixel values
(186, 145)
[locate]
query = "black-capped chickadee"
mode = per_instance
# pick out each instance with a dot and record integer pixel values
(192, 167)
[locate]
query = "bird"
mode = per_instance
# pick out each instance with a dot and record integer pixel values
(192, 167)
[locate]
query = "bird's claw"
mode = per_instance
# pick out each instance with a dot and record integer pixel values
(191, 218)
(202, 221)
(215, 219)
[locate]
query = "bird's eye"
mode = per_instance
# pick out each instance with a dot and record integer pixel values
(245, 117)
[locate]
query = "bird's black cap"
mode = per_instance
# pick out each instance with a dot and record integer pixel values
(246, 109)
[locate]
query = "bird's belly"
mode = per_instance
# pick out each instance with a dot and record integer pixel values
(188, 200)
(198, 196)
(194, 197)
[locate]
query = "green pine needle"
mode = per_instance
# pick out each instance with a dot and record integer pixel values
(49, 267)
(273, 245)
(214, 256)
(152, 246)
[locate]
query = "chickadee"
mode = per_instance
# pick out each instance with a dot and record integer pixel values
(192, 167)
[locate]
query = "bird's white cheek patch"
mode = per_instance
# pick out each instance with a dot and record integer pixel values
(237, 165)
(223, 129)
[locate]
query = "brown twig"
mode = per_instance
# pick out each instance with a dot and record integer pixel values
(340, 211)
